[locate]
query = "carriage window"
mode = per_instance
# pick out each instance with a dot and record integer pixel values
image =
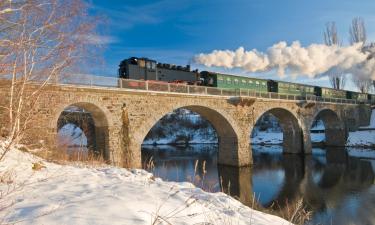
(148, 64)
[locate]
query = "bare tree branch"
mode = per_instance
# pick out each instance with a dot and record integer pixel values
(331, 37)
(357, 32)
(40, 42)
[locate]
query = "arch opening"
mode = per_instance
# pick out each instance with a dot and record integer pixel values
(206, 126)
(82, 132)
(327, 129)
(278, 126)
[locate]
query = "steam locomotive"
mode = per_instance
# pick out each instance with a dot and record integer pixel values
(147, 69)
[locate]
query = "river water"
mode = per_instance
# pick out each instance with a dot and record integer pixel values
(337, 186)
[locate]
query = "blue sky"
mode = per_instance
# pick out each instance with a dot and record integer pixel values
(173, 31)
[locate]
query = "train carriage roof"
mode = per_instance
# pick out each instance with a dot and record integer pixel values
(235, 76)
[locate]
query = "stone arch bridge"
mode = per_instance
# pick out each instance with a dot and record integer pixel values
(122, 118)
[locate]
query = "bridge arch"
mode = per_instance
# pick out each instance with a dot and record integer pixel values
(96, 124)
(290, 126)
(336, 133)
(225, 127)
(82, 120)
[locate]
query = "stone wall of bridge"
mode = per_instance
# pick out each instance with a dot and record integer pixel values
(123, 118)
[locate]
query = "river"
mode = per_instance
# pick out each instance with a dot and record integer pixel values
(336, 186)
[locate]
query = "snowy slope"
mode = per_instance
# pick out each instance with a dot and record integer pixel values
(81, 195)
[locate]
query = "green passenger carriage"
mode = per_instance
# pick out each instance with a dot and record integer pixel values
(333, 93)
(233, 82)
(293, 88)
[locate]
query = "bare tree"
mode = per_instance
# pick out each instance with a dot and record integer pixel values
(331, 37)
(362, 83)
(357, 32)
(40, 41)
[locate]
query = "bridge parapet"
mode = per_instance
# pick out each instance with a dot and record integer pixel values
(157, 86)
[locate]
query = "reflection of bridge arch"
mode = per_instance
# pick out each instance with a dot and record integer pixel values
(335, 130)
(291, 128)
(340, 175)
(294, 172)
(224, 126)
(92, 121)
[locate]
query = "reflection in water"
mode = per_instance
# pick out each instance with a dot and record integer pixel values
(196, 164)
(338, 188)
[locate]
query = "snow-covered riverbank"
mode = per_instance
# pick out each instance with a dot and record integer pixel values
(355, 139)
(67, 194)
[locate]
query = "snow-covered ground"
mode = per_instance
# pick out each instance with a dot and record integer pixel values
(273, 138)
(171, 140)
(276, 138)
(363, 138)
(67, 194)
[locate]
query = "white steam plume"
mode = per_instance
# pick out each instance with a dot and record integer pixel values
(313, 60)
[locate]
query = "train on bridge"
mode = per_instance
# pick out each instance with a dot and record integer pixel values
(147, 69)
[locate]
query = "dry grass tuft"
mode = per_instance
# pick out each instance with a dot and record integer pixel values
(63, 156)
(38, 166)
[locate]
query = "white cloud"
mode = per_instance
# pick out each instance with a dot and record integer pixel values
(294, 59)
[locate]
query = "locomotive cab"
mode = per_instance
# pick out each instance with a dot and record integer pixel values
(137, 69)
(272, 86)
(209, 79)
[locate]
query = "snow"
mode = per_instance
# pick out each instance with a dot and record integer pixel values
(361, 138)
(273, 138)
(372, 120)
(77, 194)
(171, 140)
(319, 125)
(276, 138)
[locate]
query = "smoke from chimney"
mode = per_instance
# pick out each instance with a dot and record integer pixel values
(294, 59)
